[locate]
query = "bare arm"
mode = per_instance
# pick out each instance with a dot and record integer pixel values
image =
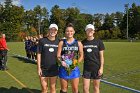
(102, 62)
(39, 64)
(80, 51)
(38, 60)
(59, 50)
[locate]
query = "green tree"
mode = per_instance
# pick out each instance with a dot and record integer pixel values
(133, 22)
(98, 21)
(1, 16)
(11, 20)
(41, 14)
(72, 14)
(58, 16)
(37, 19)
(116, 33)
(118, 18)
(108, 22)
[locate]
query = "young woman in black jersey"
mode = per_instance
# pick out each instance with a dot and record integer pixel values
(93, 60)
(66, 47)
(47, 59)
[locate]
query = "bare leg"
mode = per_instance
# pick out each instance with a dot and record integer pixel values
(75, 83)
(96, 85)
(64, 85)
(86, 84)
(53, 84)
(44, 85)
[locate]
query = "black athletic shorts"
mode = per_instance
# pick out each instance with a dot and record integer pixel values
(49, 73)
(91, 75)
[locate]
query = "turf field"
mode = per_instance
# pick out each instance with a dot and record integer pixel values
(122, 66)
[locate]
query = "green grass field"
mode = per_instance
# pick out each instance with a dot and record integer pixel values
(122, 66)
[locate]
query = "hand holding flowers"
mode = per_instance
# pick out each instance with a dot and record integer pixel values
(69, 62)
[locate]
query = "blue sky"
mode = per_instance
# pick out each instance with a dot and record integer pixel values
(87, 6)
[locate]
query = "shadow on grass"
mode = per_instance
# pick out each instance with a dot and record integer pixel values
(24, 60)
(16, 90)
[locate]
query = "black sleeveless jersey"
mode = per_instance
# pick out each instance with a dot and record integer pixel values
(70, 48)
(91, 53)
(48, 50)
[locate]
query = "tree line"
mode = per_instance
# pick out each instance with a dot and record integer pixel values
(16, 22)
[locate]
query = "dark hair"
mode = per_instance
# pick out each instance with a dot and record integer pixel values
(70, 25)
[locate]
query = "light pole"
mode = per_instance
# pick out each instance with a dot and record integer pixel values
(126, 8)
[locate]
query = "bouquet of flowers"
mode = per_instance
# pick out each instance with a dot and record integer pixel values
(69, 62)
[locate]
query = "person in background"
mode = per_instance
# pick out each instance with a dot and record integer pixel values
(40, 36)
(47, 59)
(3, 52)
(93, 60)
(34, 49)
(28, 46)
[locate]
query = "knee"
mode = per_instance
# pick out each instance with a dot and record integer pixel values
(96, 87)
(86, 88)
(53, 89)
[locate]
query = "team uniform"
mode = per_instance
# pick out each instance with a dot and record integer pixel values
(28, 48)
(92, 58)
(34, 47)
(69, 48)
(48, 50)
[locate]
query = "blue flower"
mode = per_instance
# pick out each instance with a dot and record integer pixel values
(68, 62)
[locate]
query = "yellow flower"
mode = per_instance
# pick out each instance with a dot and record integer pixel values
(75, 62)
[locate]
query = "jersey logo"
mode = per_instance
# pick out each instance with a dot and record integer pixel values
(50, 45)
(89, 50)
(51, 49)
(90, 46)
(70, 48)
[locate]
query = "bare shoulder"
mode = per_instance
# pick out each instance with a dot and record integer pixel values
(61, 42)
(79, 43)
